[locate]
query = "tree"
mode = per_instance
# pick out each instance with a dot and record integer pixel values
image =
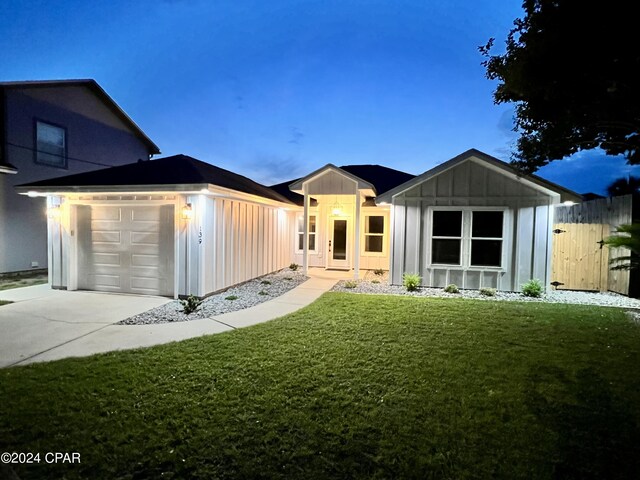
(624, 186)
(627, 236)
(572, 70)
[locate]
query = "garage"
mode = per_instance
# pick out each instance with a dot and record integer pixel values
(126, 249)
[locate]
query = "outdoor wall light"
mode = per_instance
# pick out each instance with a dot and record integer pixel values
(336, 209)
(187, 212)
(54, 212)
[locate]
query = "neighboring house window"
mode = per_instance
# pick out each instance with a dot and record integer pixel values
(373, 233)
(446, 237)
(467, 238)
(312, 233)
(51, 145)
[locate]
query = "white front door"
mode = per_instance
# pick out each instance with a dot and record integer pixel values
(338, 251)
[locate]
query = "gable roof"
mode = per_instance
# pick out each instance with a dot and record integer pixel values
(493, 163)
(166, 171)
(379, 177)
(99, 92)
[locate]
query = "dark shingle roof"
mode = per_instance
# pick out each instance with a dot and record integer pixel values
(382, 178)
(174, 170)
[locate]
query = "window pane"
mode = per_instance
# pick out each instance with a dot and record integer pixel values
(445, 251)
(312, 223)
(312, 241)
(447, 223)
(50, 144)
(487, 224)
(486, 253)
(373, 243)
(301, 224)
(300, 241)
(374, 224)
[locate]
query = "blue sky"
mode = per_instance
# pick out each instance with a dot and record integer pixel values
(274, 90)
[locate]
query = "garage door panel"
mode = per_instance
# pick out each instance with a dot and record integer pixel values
(126, 249)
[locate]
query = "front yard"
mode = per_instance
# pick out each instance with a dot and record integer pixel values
(352, 386)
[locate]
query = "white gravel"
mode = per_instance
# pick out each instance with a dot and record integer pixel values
(368, 285)
(248, 294)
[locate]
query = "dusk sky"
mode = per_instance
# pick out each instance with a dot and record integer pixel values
(276, 89)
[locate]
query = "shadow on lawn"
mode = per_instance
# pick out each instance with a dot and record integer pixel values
(597, 435)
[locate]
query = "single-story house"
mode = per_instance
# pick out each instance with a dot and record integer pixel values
(177, 226)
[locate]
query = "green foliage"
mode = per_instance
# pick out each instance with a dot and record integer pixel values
(375, 280)
(190, 304)
(262, 292)
(294, 266)
(5, 302)
(378, 271)
(452, 288)
(488, 292)
(288, 278)
(265, 282)
(563, 102)
(624, 186)
(350, 387)
(411, 281)
(350, 284)
(627, 236)
(533, 288)
(231, 297)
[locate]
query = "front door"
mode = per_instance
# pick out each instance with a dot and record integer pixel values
(338, 253)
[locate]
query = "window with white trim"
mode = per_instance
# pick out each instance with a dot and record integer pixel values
(467, 237)
(373, 233)
(311, 235)
(51, 145)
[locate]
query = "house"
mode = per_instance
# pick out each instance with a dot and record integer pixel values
(177, 226)
(50, 129)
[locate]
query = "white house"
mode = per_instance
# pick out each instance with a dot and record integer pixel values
(177, 226)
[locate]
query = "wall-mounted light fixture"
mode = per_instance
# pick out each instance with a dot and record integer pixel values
(54, 212)
(187, 212)
(336, 208)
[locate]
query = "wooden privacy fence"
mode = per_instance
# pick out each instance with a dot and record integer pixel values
(579, 259)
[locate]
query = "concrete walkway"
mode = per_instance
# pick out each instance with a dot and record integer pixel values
(47, 324)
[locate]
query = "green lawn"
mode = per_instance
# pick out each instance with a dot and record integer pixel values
(23, 279)
(353, 386)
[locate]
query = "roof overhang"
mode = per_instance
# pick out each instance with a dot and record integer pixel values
(7, 168)
(476, 156)
(363, 186)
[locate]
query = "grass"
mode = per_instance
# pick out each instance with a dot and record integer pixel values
(4, 302)
(24, 279)
(349, 387)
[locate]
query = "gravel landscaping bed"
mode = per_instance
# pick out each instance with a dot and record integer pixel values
(242, 296)
(374, 284)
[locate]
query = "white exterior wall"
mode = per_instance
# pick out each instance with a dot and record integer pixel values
(527, 231)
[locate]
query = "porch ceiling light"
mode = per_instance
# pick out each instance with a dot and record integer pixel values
(336, 208)
(187, 212)
(54, 212)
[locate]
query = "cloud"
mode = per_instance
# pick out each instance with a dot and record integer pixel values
(296, 136)
(270, 169)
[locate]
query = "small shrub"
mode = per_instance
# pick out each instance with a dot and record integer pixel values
(231, 297)
(375, 280)
(294, 266)
(288, 278)
(262, 292)
(452, 288)
(411, 281)
(190, 304)
(533, 288)
(488, 292)
(378, 271)
(265, 282)
(350, 284)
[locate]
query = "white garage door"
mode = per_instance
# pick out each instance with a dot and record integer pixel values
(126, 249)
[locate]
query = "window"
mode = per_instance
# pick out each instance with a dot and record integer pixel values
(373, 233)
(486, 238)
(312, 233)
(446, 237)
(51, 145)
(467, 238)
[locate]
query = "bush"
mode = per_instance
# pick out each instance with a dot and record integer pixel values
(265, 282)
(294, 266)
(488, 292)
(262, 292)
(452, 288)
(533, 288)
(378, 271)
(411, 281)
(375, 280)
(190, 304)
(350, 284)
(231, 297)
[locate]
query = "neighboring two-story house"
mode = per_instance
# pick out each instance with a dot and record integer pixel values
(50, 129)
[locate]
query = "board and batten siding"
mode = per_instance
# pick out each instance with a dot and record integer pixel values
(528, 221)
(232, 241)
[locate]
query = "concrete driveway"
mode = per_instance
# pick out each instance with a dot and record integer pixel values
(42, 320)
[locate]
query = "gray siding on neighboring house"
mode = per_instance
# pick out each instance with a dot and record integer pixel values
(526, 241)
(96, 138)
